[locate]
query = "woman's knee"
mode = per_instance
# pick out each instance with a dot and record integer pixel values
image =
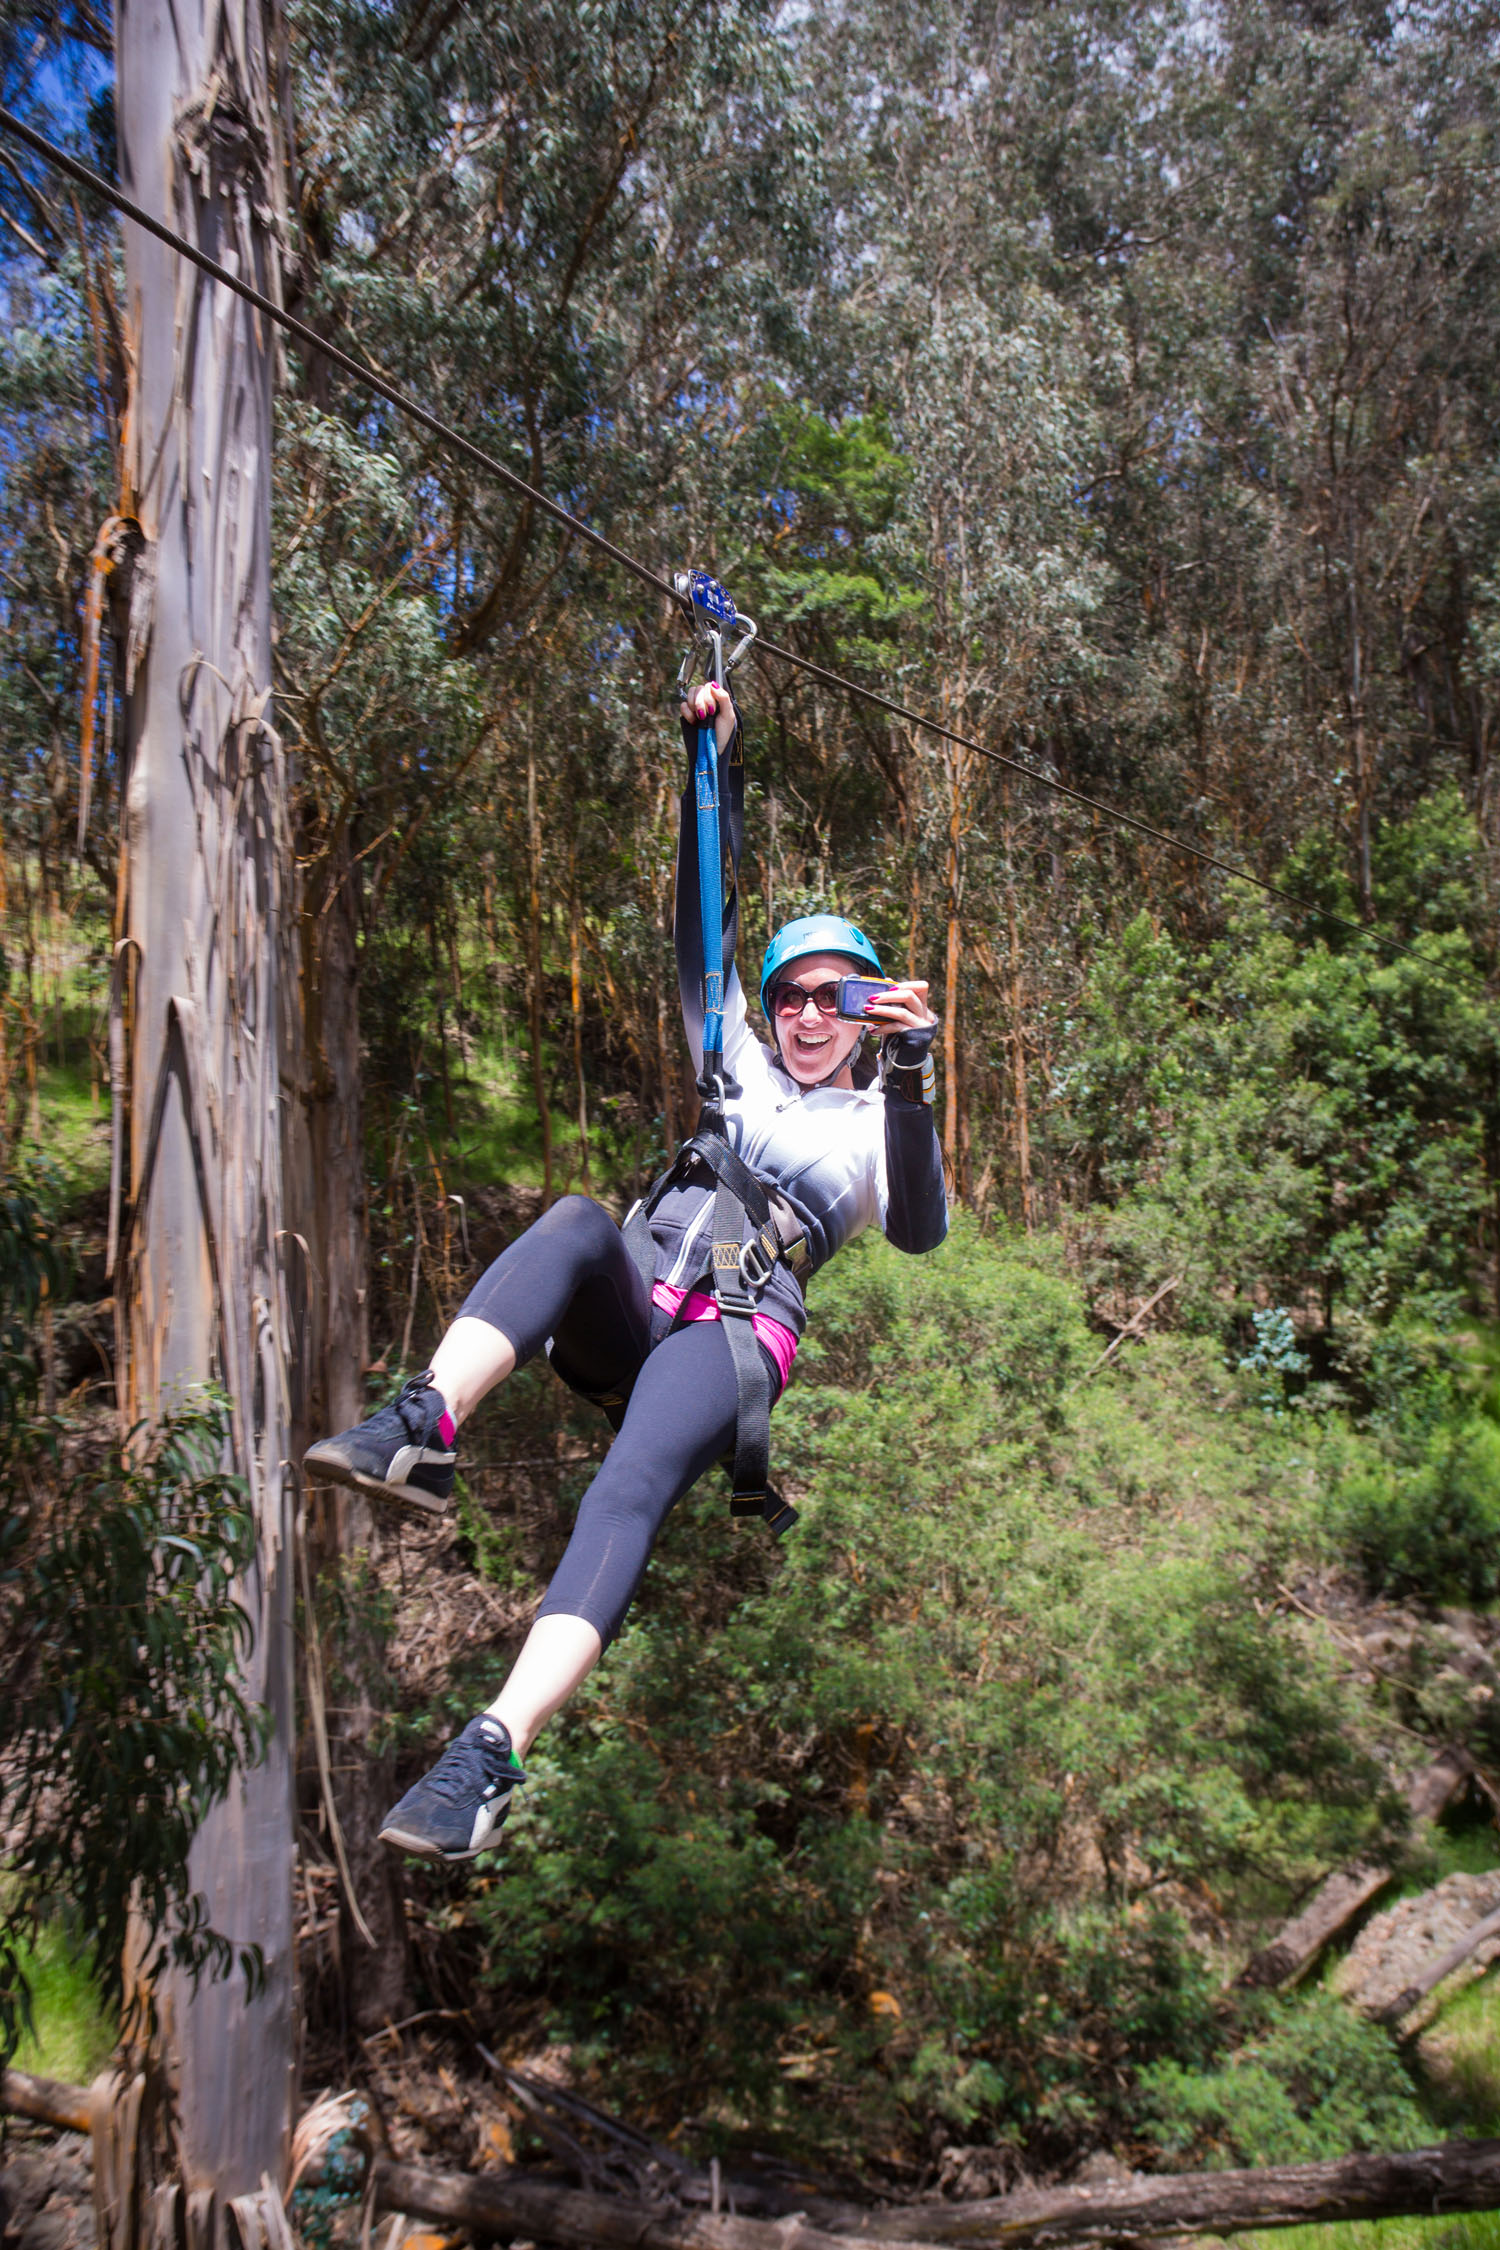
(580, 1233)
(578, 1219)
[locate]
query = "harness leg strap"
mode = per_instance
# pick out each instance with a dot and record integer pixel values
(750, 1490)
(738, 1195)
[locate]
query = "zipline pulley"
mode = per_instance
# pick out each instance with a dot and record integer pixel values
(713, 617)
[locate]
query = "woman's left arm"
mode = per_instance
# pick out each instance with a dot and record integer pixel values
(916, 1200)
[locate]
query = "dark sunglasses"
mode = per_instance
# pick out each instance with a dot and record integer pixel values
(790, 999)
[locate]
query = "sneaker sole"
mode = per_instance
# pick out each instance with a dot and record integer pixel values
(421, 1847)
(334, 1471)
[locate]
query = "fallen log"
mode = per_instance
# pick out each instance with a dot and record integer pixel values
(1433, 1974)
(1458, 2176)
(507, 2203)
(1296, 1947)
(46, 2101)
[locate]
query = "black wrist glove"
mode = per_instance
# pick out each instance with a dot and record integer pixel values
(906, 1065)
(908, 1050)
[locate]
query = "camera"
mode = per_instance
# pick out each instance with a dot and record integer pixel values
(855, 995)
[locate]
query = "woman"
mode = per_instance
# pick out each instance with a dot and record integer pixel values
(838, 1151)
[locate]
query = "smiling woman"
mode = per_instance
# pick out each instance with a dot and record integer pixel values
(813, 1142)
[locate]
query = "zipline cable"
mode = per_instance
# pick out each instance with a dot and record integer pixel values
(574, 525)
(408, 405)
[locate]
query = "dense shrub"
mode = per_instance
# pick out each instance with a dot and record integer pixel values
(1299, 1121)
(121, 1716)
(1317, 2080)
(1424, 1518)
(923, 1812)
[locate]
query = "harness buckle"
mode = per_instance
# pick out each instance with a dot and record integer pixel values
(757, 1261)
(777, 1514)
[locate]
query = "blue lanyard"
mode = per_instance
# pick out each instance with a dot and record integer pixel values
(710, 897)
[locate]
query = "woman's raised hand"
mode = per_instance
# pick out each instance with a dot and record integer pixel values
(902, 1008)
(711, 702)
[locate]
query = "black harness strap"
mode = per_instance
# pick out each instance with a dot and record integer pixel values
(737, 1272)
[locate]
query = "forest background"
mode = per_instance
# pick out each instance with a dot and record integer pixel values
(1120, 385)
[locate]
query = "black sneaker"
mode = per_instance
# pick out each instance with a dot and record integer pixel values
(405, 1451)
(459, 1808)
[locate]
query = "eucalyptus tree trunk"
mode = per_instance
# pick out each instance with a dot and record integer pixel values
(322, 1142)
(203, 860)
(327, 1275)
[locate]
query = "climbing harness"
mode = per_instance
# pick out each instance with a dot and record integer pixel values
(738, 1269)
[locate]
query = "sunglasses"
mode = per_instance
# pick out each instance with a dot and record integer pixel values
(790, 999)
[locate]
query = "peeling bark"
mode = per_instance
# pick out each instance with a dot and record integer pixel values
(204, 848)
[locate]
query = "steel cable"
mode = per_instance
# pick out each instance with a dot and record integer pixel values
(577, 528)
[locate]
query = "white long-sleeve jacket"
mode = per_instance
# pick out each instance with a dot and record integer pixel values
(844, 1160)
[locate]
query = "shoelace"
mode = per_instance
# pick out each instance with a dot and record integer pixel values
(414, 1414)
(457, 1770)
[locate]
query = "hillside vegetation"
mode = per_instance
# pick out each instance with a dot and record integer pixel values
(1120, 386)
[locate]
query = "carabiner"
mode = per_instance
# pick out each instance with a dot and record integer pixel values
(712, 613)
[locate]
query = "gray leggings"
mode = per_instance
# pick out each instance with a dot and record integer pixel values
(571, 1277)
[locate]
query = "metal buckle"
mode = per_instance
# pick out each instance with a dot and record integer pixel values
(757, 1263)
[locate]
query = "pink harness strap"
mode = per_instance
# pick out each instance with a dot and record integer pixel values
(779, 1341)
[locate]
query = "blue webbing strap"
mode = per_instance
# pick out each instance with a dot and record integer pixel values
(710, 897)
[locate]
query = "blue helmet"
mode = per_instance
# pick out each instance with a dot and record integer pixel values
(815, 933)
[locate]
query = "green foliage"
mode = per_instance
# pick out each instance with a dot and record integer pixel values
(32, 1266)
(1315, 2080)
(1424, 1517)
(1461, 2061)
(916, 1813)
(1300, 1120)
(72, 2030)
(1475, 2230)
(1274, 1357)
(121, 1714)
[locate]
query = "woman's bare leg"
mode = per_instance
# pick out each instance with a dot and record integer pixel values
(471, 1359)
(558, 1656)
(559, 1652)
